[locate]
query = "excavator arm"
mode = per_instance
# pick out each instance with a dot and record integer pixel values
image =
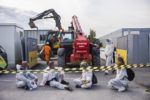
(44, 15)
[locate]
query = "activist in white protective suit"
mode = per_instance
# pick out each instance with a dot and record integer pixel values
(25, 79)
(109, 53)
(120, 82)
(85, 81)
(54, 77)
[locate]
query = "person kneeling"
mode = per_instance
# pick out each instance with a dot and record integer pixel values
(55, 78)
(25, 79)
(120, 82)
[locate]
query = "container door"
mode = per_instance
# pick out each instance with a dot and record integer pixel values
(18, 44)
(133, 49)
(31, 51)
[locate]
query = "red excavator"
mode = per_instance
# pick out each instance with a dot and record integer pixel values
(75, 47)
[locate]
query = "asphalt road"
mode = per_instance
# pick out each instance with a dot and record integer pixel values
(8, 90)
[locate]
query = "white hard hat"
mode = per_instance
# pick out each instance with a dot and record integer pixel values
(47, 42)
(109, 40)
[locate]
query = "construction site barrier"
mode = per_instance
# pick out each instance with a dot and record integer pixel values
(76, 70)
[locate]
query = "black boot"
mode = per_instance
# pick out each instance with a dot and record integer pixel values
(78, 86)
(26, 87)
(69, 89)
(47, 83)
(64, 82)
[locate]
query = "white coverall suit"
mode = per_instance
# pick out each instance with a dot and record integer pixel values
(54, 77)
(120, 82)
(86, 76)
(109, 53)
(25, 79)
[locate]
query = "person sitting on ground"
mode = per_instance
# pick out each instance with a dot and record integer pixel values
(54, 77)
(25, 79)
(120, 82)
(85, 81)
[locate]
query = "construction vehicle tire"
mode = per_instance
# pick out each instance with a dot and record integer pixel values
(61, 57)
(95, 56)
(95, 51)
(96, 61)
(61, 51)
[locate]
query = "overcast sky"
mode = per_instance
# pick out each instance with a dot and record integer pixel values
(104, 16)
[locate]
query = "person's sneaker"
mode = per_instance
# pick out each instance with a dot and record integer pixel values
(69, 89)
(64, 82)
(78, 86)
(122, 89)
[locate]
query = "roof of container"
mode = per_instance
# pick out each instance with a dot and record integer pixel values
(10, 24)
(35, 29)
(136, 29)
(125, 29)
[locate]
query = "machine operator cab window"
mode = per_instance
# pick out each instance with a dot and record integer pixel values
(67, 37)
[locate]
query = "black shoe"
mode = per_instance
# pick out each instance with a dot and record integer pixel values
(26, 88)
(78, 86)
(64, 82)
(47, 83)
(69, 89)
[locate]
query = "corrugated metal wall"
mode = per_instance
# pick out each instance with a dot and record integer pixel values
(36, 34)
(137, 47)
(122, 44)
(133, 49)
(10, 40)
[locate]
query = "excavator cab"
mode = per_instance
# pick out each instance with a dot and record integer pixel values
(53, 37)
(66, 48)
(67, 36)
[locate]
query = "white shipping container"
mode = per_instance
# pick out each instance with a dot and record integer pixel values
(10, 38)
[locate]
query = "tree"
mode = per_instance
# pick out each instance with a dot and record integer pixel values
(92, 36)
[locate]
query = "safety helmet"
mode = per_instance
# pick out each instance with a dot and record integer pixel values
(109, 41)
(47, 42)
